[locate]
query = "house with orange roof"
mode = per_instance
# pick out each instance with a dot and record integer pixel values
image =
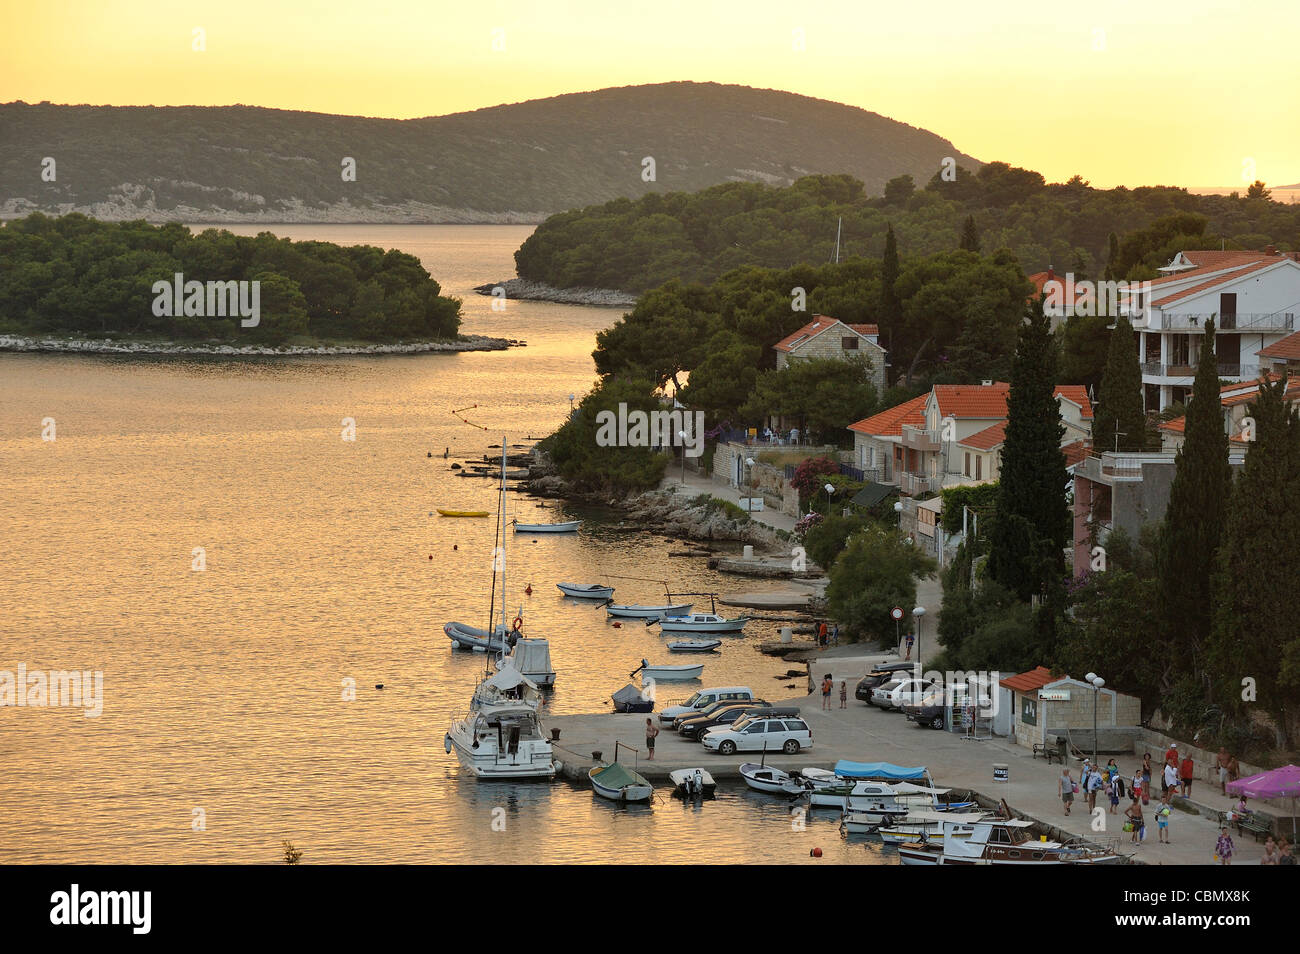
(1236, 399)
(951, 435)
(1283, 355)
(1253, 297)
(827, 337)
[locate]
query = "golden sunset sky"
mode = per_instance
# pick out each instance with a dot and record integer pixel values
(1130, 92)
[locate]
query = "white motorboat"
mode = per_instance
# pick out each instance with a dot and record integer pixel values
(501, 736)
(764, 778)
(702, 623)
(532, 657)
(694, 645)
(666, 673)
(586, 591)
(570, 526)
(692, 783)
(1002, 842)
(918, 825)
(644, 611)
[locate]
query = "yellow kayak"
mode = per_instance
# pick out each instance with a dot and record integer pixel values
(462, 513)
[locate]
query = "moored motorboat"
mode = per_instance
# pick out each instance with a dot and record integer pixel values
(586, 591)
(764, 778)
(480, 640)
(570, 526)
(632, 699)
(647, 611)
(692, 783)
(917, 825)
(462, 513)
(501, 736)
(1002, 842)
(701, 623)
(694, 645)
(532, 657)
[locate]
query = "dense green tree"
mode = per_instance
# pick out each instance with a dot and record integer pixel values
(970, 237)
(1254, 635)
(1193, 524)
(826, 394)
(1085, 347)
(1119, 405)
(891, 308)
(828, 538)
(1033, 521)
(593, 465)
(899, 189)
(875, 572)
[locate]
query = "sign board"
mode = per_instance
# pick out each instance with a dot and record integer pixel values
(896, 612)
(1028, 711)
(1053, 695)
(751, 504)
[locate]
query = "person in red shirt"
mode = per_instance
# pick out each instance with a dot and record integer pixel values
(1187, 771)
(1172, 754)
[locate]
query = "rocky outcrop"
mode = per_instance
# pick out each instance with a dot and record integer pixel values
(522, 290)
(682, 517)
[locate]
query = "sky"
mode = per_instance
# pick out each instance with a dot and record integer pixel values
(1122, 92)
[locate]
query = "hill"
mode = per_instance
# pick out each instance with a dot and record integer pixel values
(511, 163)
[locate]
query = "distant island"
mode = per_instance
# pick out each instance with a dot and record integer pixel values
(511, 163)
(77, 284)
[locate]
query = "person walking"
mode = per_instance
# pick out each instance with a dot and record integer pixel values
(827, 685)
(844, 695)
(1146, 779)
(651, 733)
(835, 634)
(821, 635)
(1135, 787)
(1112, 792)
(1136, 823)
(1094, 786)
(1221, 762)
(911, 638)
(1169, 783)
(1223, 847)
(1162, 823)
(1187, 772)
(1065, 785)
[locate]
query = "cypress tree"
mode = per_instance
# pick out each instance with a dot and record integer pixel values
(1193, 523)
(1032, 526)
(891, 306)
(1112, 257)
(1258, 564)
(970, 237)
(1121, 394)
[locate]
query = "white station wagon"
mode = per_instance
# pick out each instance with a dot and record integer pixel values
(759, 734)
(705, 698)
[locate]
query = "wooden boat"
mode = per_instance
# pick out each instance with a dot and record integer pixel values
(701, 623)
(462, 513)
(692, 783)
(1001, 842)
(666, 673)
(619, 783)
(773, 781)
(569, 527)
(586, 591)
(917, 825)
(644, 611)
(694, 645)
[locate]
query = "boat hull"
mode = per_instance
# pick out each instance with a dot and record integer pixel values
(568, 527)
(695, 646)
(462, 513)
(637, 611)
(641, 791)
(672, 673)
(585, 592)
(669, 625)
(769, 780)
(484, 763)
(687, 784)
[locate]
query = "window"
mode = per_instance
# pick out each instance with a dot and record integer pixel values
(754, 727)
(849, 344)
(979, 468)
(967, 470)
(796, 726)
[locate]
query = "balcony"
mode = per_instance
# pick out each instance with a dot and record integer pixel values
(1154, 369)
(1242, 321)
(917, 484)
(920, 439)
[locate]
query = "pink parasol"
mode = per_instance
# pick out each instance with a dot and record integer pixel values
(1281, 782)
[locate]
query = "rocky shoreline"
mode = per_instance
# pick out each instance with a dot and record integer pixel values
(522, 290)
(22, 343)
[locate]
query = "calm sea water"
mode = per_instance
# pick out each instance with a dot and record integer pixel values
(224, 689)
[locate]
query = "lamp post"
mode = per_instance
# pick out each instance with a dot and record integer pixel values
(898, 509)
(682, 435)
(918, 612)
(1097, 682)
(570, 405)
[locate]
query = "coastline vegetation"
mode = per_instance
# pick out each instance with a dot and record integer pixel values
(76, 276)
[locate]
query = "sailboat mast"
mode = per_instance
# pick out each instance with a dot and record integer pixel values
(838, 229)
(503, 536)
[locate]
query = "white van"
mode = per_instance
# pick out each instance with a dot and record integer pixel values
(705, 698)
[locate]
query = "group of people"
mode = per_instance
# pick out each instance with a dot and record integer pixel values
(828, 684)
(769, 436)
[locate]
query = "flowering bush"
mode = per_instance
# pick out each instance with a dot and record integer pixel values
(806, 523)
(808, 476)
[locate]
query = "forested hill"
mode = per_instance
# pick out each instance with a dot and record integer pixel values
(698, 237)
(516, 162)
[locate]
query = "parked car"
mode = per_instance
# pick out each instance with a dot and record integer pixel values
(933, 709)
(705, 698)
(695, 728)
(759, 734)
(900, 692)
(879, 676)
(710, 710)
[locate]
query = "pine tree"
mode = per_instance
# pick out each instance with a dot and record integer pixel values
(1032, 525)
(1120, 401)
(1193, 525)
(1258, 564)
(970, 237)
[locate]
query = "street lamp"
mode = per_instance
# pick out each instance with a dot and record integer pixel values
(682, 435)
(1097, 683)
(917, 613)
(898, 509)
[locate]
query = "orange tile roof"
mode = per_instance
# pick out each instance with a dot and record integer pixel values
(1213, 261)
(1078, 394)
(1177, 425)
(1040, 279)
(1076, 452)
(988, 438)
(819, 324)
(890, 423)
(1288, 349)
(1217, 280)
(972, 400)
(1029, 681)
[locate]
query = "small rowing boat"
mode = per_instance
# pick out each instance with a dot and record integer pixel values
(462, 513)
(586, 591)
(570, 526)
(694, 645)
(692, 783)
(643, 611)
(668, 673)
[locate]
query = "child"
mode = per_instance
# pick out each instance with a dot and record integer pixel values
(1112, 790)
(844, 695)
(1223, 847)
(1162, 823)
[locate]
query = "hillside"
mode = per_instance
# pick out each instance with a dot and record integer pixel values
(512, 163)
